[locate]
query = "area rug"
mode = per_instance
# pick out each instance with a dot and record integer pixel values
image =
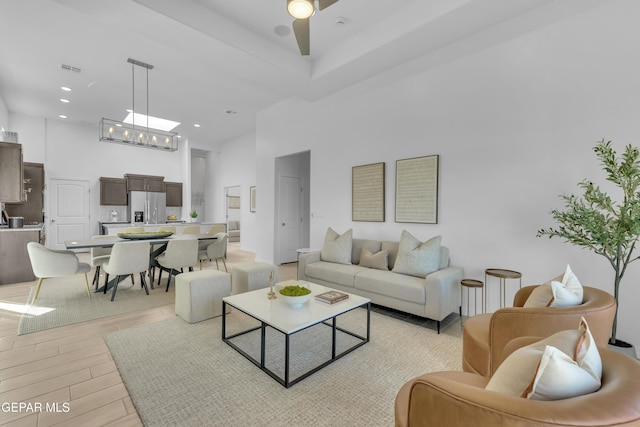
(183, 374)
(64, 301)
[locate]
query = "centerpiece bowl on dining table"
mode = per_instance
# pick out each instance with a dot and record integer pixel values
(141, 235)
(295, 295)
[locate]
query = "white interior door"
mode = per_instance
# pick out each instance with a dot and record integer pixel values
(290, 217)
(70, 211)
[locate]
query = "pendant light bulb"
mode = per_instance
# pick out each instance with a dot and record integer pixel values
(300, 9)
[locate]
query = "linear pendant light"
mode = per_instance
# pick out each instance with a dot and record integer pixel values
(135, 129)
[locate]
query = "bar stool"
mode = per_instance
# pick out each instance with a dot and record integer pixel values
(469, 284)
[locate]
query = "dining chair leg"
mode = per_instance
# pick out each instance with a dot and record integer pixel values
(86, 282)
(217, 266)
(225, 264)
(133, 282)
(96, 276)
(115, 288)
(144, 282)
(169, 280)
(37, 290)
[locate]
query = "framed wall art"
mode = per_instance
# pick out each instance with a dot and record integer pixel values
(252, 199)
(234, 202)
(367, 197)
(417, 190)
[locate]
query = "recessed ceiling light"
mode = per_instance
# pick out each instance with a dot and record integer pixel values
(65, 100)
(62, 116)
(282, 30)
(196, 125)
(65, 88)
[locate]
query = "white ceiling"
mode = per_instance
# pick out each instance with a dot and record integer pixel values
(211, 56)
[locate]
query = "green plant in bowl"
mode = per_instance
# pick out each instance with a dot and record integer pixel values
(295, 295)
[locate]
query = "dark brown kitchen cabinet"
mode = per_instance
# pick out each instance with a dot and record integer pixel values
(32, 208)
(11, 173)
(113, 191)
(145, 183)
(174, 193)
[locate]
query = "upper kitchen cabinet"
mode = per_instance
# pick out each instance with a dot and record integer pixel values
(113, 191)
(32, 208)
(174, 193)
(145, 183)
(11, 173)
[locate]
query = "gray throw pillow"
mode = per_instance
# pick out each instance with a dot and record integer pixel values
(379, 260)
(416, 258)
(336, 247)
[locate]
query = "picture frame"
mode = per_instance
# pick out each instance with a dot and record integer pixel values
(417, 190)
(252, 198)
(233, 202)
(368, 192)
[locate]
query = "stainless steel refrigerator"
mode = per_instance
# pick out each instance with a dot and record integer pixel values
(146, 207)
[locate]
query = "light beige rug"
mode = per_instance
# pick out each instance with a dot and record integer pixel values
(183, 374)
(64, 301)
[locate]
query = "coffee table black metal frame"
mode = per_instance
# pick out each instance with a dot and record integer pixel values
(286, 381)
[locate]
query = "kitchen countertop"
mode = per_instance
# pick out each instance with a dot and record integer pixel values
(30, 227)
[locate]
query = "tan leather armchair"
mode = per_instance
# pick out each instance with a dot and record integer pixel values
(458, 399)
(485, 335)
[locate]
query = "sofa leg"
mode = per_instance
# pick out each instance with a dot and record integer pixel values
(438, 323)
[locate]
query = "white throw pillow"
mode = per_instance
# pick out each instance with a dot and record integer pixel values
(416, 258)
(567, 293)
(564, 365)
(336, 247)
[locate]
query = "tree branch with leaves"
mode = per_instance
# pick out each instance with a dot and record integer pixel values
(596, 222)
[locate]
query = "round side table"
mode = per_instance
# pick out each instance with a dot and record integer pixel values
(503, 275)
(469, 284)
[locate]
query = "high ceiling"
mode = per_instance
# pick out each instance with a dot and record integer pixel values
(211, 57)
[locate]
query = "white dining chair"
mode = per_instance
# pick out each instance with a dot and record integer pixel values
(128, 258)
(47, 263)
(99, 256)
(215, 251)
(191, 229)
(180, 253)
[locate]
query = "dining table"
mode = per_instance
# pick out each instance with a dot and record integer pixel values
(160, 243)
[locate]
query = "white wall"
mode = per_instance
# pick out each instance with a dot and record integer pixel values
(514, 126)
(235, 165)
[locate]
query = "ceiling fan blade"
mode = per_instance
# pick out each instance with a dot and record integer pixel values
(301, 30)
(323, 4)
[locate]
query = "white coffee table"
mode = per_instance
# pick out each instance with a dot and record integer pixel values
(289, 320)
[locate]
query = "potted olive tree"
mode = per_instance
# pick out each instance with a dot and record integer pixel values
(608, 227)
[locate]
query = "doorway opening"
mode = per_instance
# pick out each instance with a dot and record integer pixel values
(232, 212)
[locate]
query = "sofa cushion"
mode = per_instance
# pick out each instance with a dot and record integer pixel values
(399, 286)
(378, 260)
(417, 258)
(337, 247)
(564, 365)
(392, 249)
(359, 244)
(341, 274)
(566, 293)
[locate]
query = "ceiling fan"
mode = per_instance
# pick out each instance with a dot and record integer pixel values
(302, 10)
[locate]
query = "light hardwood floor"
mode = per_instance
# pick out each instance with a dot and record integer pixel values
(71, 366)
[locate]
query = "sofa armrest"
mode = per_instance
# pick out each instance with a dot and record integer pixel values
(443, 292)
(303, 260)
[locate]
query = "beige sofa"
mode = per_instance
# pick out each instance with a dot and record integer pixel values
(233, 231)
(433, 297)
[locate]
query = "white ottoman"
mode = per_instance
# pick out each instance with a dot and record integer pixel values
(250, 276)
(199, 294)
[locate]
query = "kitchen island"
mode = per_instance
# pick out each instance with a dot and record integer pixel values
(115, 228)
(15, 266)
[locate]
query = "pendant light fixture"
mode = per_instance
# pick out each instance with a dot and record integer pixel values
(141, 130)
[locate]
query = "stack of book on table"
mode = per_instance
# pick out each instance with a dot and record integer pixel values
(331, 297)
